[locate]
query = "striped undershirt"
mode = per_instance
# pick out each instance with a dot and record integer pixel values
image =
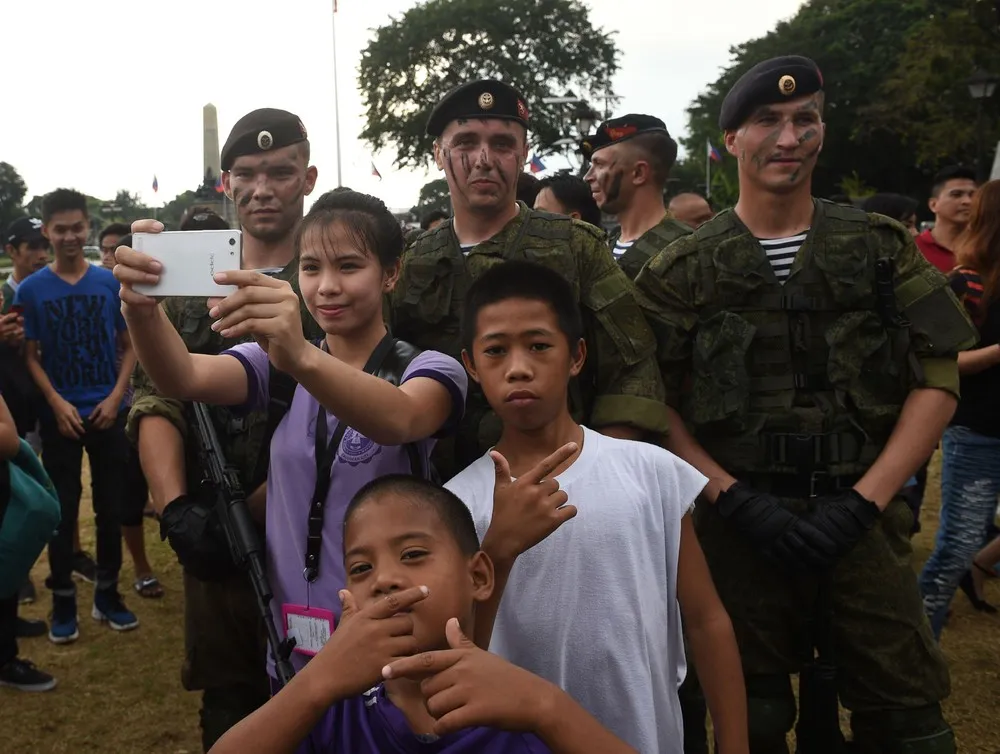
(620, 248)
(781, 253)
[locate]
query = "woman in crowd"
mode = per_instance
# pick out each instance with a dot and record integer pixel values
(345, 425)
(970, 471)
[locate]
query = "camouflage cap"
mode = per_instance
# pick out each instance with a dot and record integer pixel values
(775, 80)
(261, 131)
(485, 98)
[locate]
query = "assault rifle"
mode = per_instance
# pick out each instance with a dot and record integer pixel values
(818, 727)
(241, 534)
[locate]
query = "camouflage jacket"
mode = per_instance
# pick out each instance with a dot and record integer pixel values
(240, 433)
(620, 383)
(810, 374)
(649, 244)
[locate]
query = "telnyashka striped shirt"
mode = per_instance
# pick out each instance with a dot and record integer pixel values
(781, 253)
(620, 248)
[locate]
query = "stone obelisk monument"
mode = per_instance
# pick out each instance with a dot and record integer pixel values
(210, 119)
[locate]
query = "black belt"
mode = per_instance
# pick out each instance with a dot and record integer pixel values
(802, 486)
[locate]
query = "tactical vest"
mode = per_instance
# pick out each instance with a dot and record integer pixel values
(427, 309)
(805, 377)
(649, 244)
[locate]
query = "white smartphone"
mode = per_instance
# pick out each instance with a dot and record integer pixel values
(190, 259)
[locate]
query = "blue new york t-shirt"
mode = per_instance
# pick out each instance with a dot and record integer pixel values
(76, 327)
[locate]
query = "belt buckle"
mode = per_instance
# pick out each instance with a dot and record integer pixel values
(814, 479)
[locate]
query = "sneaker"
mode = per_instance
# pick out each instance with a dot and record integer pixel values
(24, 676)
(64, 620)
(84, 566)
(30, 629)
(26, 594)
(109, 607)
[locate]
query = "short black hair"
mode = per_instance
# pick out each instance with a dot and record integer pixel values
(63, 200)
(454, 514)
(433, 216)
(659, 150)
(522, 280)
(951, 173)
(527, 188)
(574, 194)
(896, 206)
(200, 217)
(114, 229)
(125, 240)
(369, 223)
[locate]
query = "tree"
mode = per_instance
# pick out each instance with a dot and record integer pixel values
(12, 191)
(542, 47)
(855, 43)
(433, 196)
(940, 54)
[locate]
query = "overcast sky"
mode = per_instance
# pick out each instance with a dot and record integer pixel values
(101, 95)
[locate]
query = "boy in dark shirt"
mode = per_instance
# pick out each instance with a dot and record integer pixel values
(415, 572)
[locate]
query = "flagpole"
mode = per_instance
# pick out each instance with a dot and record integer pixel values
(336, 98)
(708, 169)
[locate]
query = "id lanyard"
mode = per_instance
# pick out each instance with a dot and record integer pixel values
(326, 454)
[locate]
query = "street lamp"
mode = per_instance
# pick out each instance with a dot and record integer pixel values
(981, 87)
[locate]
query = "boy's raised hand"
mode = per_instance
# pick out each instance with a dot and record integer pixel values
(367, 639)
(528, 509)
(466, 686)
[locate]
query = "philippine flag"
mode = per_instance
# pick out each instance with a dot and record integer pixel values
(156, 185)
(713, 154)
(536, 165)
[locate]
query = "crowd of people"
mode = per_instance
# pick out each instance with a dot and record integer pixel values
(527, 485)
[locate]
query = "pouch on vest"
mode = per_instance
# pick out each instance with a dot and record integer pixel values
(29, 515)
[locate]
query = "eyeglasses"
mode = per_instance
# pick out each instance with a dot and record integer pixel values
(108, 249)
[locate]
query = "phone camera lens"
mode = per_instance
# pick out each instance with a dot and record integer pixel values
(232, 241)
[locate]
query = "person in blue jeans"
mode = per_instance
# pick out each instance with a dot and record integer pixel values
(72, 326)
(970, 467)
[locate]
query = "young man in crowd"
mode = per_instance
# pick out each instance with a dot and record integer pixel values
(951, 203)
(72, 329)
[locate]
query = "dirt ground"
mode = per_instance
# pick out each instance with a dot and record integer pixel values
(121, 692)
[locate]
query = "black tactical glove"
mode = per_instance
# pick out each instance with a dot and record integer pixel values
(197, 537)
(844, 518)
(776, 530)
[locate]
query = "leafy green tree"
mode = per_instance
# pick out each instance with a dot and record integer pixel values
(855, 43)
(542, 47)
(925, 97)
(12, 191)
(433, 196)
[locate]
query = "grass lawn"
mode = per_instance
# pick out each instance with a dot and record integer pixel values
(121, 692)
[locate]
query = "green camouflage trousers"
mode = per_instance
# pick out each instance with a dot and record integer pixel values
(886, 654)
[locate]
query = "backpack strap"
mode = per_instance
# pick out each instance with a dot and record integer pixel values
(281, 392)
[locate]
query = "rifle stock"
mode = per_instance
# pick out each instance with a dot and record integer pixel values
(818, 728)
(241, 534)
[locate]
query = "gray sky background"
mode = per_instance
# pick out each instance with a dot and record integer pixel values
(102, 95)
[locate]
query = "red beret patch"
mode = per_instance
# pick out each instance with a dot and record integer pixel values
(621, 132)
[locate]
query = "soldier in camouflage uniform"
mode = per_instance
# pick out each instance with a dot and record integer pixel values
(821, 384)
(630, 159)
(481, 144)
(267, 175)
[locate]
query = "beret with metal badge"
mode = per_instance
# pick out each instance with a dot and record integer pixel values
(261, 131)
(775, 80)
(485, 98)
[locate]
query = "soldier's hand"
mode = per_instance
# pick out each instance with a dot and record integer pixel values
(776, 530)
(133, 267)
(266, 308)
(845, 519)
(526, 510)
(194, 534)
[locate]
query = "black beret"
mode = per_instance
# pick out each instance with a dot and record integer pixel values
(774, 80)
(621, 129)
(478, 99)
(261, 131)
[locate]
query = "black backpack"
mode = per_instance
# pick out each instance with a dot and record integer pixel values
(388, 362)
